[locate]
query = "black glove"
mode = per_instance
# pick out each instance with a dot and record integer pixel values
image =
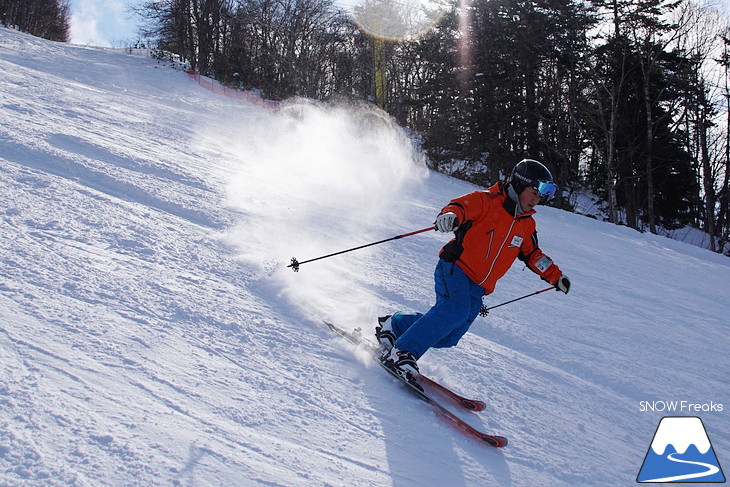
(563, 284)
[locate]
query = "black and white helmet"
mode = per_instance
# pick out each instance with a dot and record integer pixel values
(531, 173)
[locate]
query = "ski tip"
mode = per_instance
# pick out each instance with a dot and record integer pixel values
(495, 441)
(475, 406)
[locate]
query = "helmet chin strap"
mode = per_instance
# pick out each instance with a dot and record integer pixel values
(514, 197)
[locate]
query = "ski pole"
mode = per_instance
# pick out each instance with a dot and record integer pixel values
(485, 311)
(295, 263)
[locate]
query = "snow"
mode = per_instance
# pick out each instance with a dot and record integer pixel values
(151, 333)
(680, 432)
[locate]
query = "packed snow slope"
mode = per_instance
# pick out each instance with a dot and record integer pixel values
(151, 333)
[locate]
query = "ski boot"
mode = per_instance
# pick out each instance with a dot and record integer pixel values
(403, 364)
(384, 333)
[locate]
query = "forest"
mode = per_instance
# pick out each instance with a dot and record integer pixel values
(49, 19)
(625, 100)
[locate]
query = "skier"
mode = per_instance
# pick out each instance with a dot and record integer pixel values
(492, 228)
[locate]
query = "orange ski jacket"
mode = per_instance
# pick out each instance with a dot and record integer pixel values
(491, 236)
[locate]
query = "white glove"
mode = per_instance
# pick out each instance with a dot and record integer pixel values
(563, 284)
(446, 222)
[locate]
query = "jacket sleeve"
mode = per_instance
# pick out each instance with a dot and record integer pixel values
(466, 207)
(537, 261)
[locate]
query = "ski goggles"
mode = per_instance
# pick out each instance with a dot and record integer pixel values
(546, 189)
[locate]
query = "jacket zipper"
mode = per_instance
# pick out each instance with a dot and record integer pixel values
(491, 240)
(499, 252)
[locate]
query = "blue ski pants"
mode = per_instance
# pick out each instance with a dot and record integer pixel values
(458, 301)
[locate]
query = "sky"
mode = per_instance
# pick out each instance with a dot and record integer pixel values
(103, 23)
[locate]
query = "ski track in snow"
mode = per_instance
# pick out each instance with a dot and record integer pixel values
(151, 334)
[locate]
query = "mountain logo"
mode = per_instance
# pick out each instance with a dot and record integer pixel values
(680, 452)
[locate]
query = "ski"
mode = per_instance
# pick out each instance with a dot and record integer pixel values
(470, 404)
(356, 338)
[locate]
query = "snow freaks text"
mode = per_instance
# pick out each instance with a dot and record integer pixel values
(680, 407)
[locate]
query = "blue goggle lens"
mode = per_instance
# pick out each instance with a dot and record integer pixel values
(546, 189)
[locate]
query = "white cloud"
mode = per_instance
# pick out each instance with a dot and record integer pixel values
(100, 22)
(85, 16)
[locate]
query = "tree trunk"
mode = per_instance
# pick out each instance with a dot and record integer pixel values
(651, 217)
